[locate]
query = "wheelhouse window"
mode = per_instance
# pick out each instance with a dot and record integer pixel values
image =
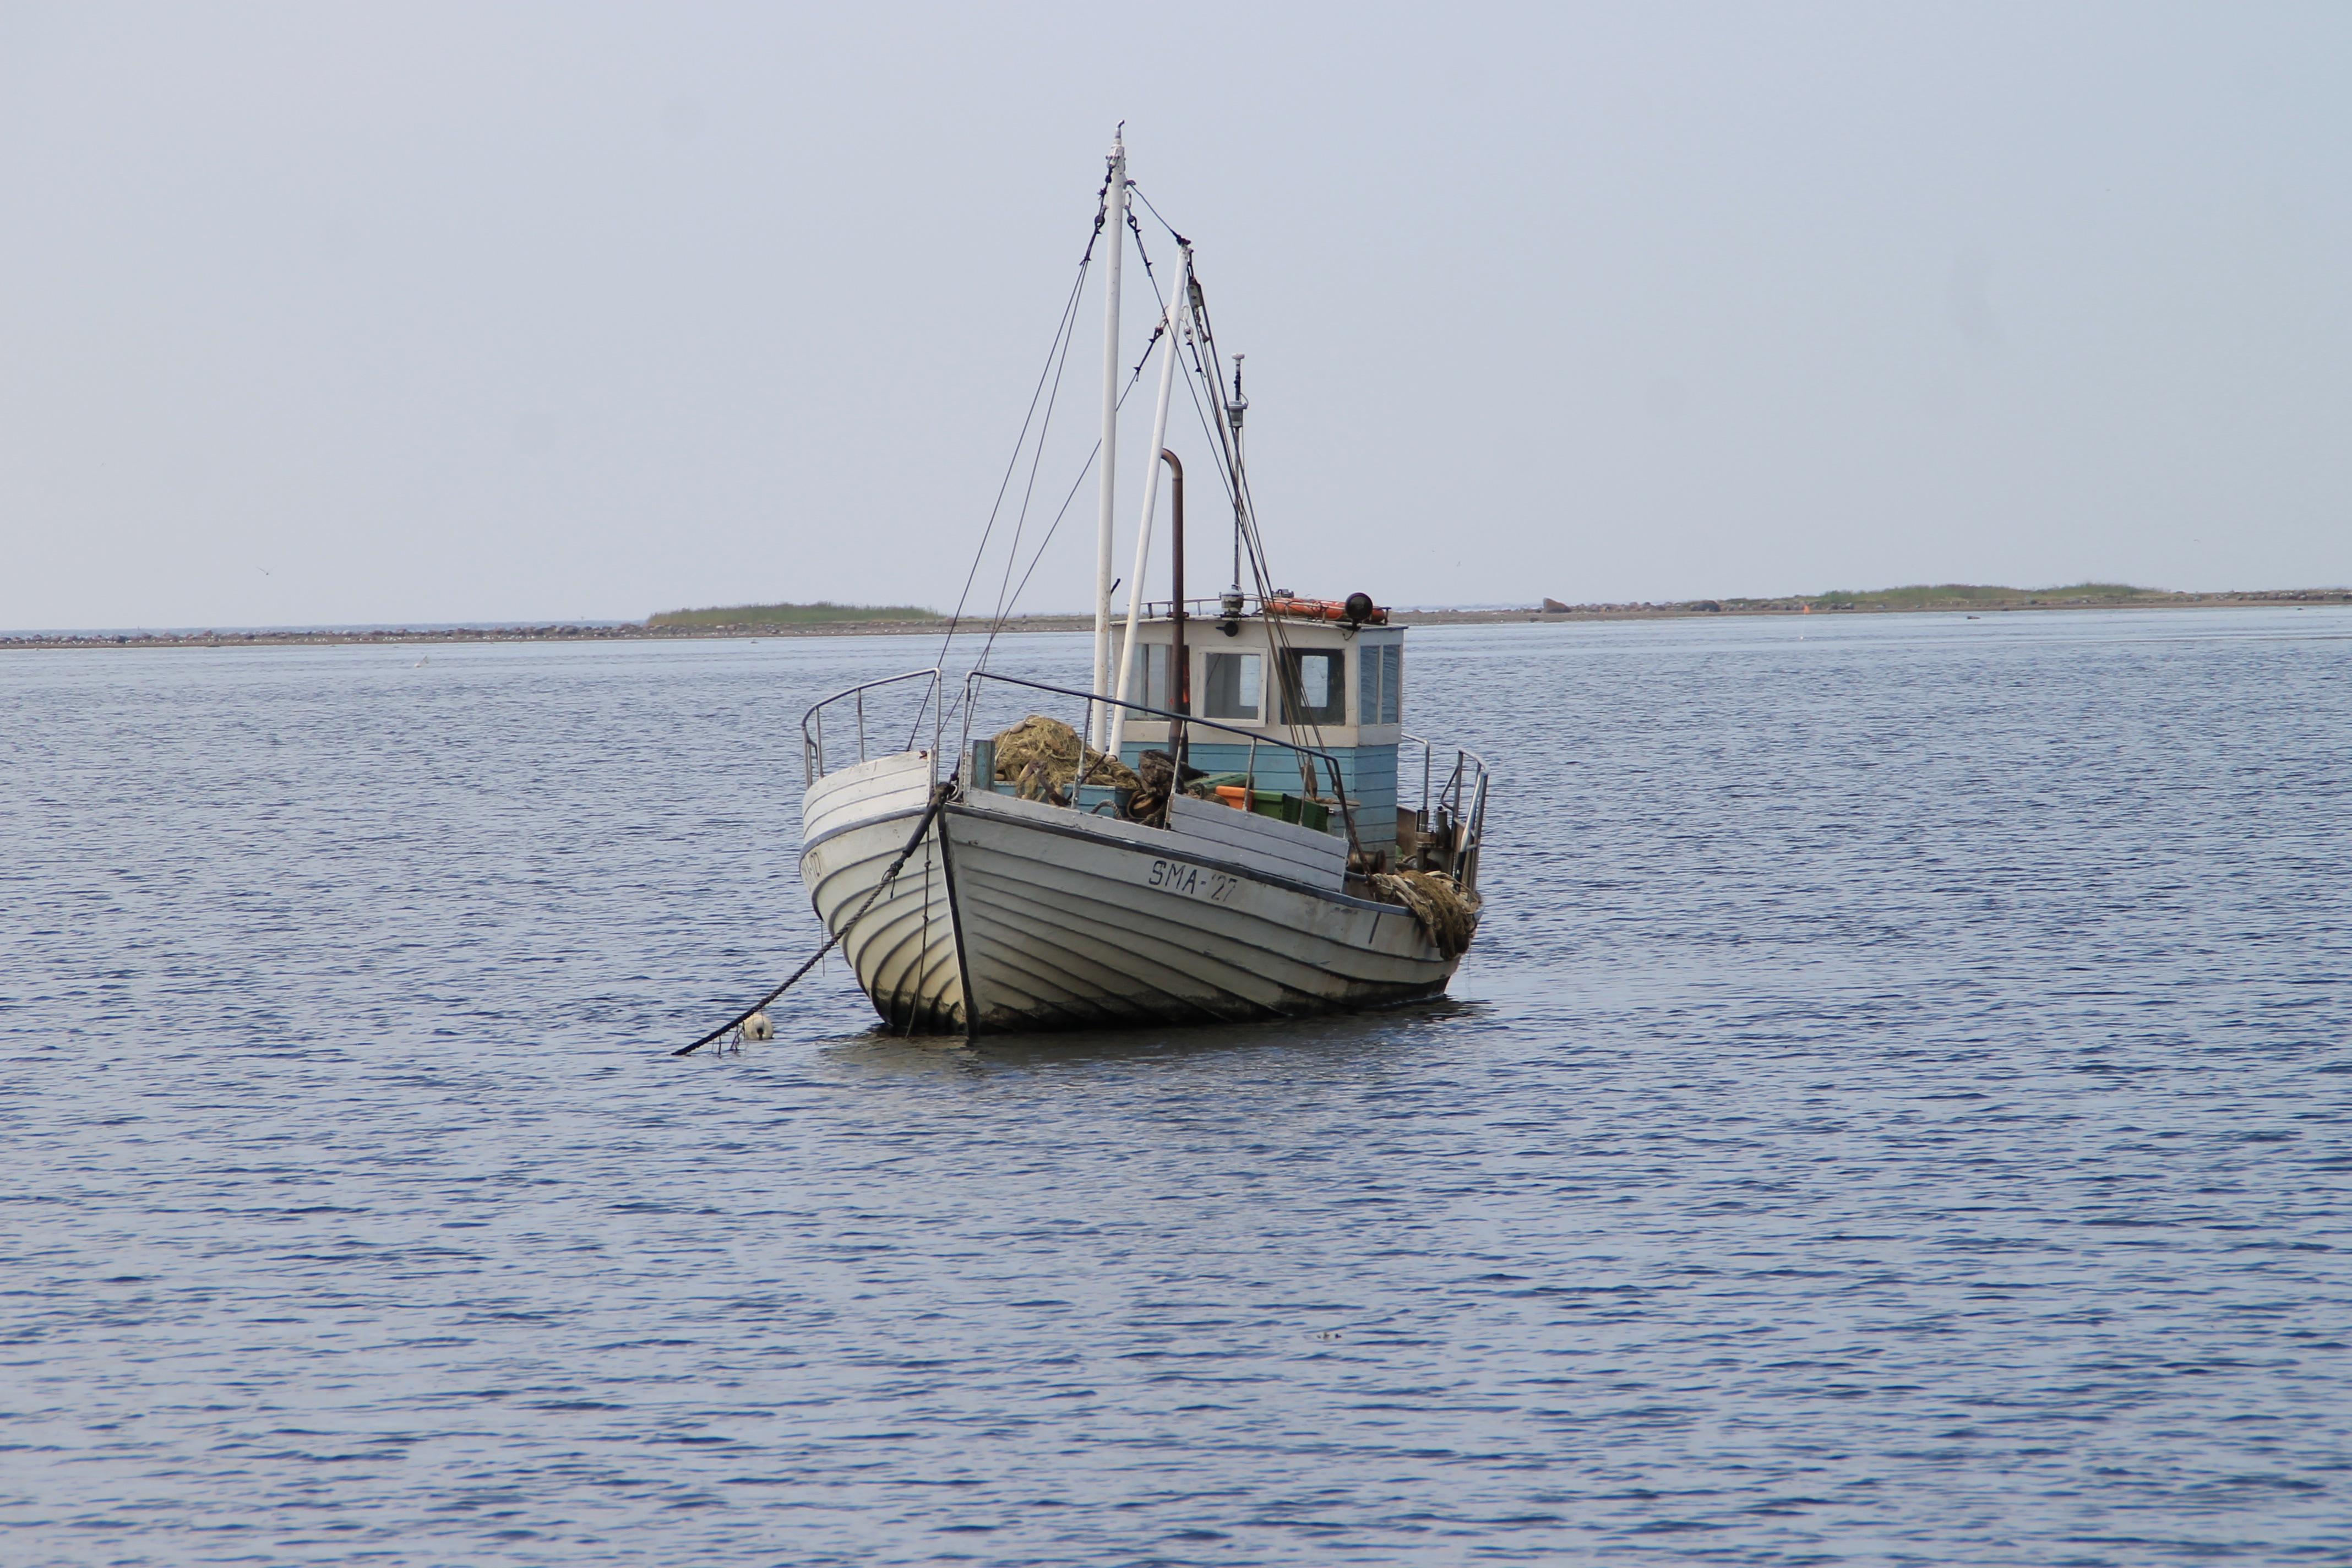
(1380, 667)
(1147, 682)
(1315, 687)
(1234, 683)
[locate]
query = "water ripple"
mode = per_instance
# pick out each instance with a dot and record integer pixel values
(1895, 1113)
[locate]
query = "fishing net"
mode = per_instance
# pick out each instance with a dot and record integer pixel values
(1446, 912)
(1157, 769)
(1039, 750)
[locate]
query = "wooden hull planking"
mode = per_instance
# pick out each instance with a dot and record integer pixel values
(1059, 921)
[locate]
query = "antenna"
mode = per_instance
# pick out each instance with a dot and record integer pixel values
(1236, 407)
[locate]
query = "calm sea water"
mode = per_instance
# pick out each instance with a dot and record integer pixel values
(1896, 1112)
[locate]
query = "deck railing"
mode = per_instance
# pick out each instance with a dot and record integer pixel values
(1450, 820)
(1452, 814)
(1306, 755)
(812, 739)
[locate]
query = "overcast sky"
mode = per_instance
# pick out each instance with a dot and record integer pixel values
(405, 313)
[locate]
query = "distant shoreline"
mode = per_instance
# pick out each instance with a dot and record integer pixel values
(640, 632)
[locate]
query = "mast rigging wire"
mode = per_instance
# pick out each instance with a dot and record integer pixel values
(1223, 440)
(1155, 213)
(1057, 357)
(1029, 492)
(1004, 612)
(1056, 352)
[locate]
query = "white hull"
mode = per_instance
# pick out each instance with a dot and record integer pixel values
(854, 823)
(1049, 919)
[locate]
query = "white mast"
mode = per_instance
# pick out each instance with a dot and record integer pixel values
(1172, 326)
(1117, 218)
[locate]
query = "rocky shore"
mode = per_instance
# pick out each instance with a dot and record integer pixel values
(1549, 611)
(1553, 610)
(326, 636)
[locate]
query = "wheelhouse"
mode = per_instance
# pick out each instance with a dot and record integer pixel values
(1336, 686)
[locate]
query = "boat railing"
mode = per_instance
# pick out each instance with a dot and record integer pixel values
(1212, 607)
(1452, 816)
(812, 736)
(1333, 772)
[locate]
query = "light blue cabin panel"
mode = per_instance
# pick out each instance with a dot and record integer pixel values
(1369, 773)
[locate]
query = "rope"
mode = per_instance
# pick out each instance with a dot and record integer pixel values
(1005, 591)
(1057, 350)
(1057, 354)
(1004, 611)
(1155, 213)
(1136, 229)
(939, 799)
(1006, 602)
(1057, 358)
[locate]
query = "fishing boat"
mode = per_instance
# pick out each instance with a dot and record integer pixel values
(1226, 826)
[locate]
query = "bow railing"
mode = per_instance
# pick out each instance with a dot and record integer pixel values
(1450, 825)
(856, 721)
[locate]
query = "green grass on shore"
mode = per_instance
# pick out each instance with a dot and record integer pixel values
(1922, 594)
(824, 612)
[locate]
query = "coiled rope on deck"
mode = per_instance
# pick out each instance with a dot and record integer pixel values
(939, 799)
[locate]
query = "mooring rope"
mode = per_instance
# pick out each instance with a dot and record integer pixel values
(939, 799)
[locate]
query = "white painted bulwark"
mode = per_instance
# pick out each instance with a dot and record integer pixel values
(901, 782)
(1262, 843)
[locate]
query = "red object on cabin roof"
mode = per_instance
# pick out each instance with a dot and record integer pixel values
(1325, 610)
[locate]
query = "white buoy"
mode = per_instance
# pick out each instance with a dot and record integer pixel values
(757, 1027)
